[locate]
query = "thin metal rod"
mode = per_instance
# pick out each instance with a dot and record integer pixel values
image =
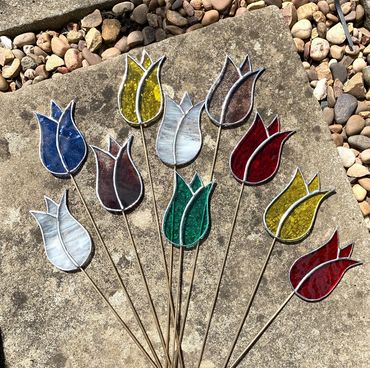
(97, 231)
(261, 332)
(250, 302)
(146, 286)
(216, 151)
(168, 337)
(213, 306)
(188, 298)
(159, 234)
(344, 23)
(120, 320)
(178, 299)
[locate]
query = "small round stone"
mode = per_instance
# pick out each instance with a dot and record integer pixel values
(359, 142)
(210, 16)
(44, 42)
(12, 70)
(4, 86)
(92, 20)
(135, 38)
(366, 75)
(90, 57)
(110, 30)
(337, 139)
(347, 156)
(124, 7)
(28, 63)
(365, 208)
(73, 59)
(139, 14)
(358, 65)
(59, 47)
(221, 5)
(365, 156)
(121, 44)
(320, 90)
(359, 192)
(319, 49)
(53, 62)
(110, 53)
(176, 18)
(93, 39)
(339, 71)
(302, 29)
(23, 39)
(336, 35)
(345, 106)
(357, 171)
(354, 125)
(365, 183)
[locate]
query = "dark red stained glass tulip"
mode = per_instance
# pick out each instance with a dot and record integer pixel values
(118, 183)
(315, 275)
(256, 157)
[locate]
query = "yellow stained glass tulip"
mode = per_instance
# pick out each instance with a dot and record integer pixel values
(140, 97)
(291, 215)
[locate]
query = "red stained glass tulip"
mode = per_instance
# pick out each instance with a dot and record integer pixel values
(256, 157)
(119, 186)
(316, 274)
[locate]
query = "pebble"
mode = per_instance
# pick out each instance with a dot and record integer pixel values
(355, 86)
(12, 70)
(139, 14)
(359, 142)
(135, 38)
(365, 156)
(366, 75)
(74, 36)
(41, 71)
(6, 42)
(221, 5)
(330, 97)
(365, 208)
(6, 56)
(344, 108)
(323, 71)
(366, 131)
(328, 115)
(177, 19)
(359, 192)
(28, 38)
(337, 139)
(306, 11)
(73, 59)
(336, 35)
(58, 46)
(148, 35)
(302, 29)
(299, 44)
(358, 65)
(28, 63)
(256, 5)
(320, 90)
(289, 14)
(210, 16)
(347, 156)
(4, 86)
(121, 44)
(354, 125)
(90, 57)
(357, 171)
(319, 49)
(339, 71)
(365, 183)
(44, 42)
(92, 20)
(93, 39)
(110, 53)
(110, 30)
(53, 62)
(125, 7)
(337, 52)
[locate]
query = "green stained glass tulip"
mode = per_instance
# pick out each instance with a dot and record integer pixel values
(187, 218)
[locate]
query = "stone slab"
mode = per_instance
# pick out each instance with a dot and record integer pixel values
(17, 17)
(52, 319)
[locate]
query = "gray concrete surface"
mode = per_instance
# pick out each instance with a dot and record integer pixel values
(17, 17)
(52, 319)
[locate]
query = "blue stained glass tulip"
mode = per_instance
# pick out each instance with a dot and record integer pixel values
(62, 146)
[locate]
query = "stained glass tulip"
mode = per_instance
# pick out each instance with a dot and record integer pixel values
(291, 215)
(316, 274)
(230, 99)
(140, 97)
(119, 186)
(62, 145)
(256, 158)
(67, 243)
(187, 217)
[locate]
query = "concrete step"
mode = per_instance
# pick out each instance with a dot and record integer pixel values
(51, 319)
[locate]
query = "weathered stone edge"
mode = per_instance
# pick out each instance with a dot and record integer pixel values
(57, 20)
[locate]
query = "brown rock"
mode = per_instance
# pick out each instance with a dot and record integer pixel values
(323, 71)
(210, 16)
(110, 53)
(366, 131)
(41, 71)
(23, 39)
(354, 125)
(289, 12)
(139, 14)
(336, 128)
(299, 3)
(221, 5)
(59, 47)
(92, 20)
(362, 106)
(6, 56)
(330, 97)
(135, 38)
(365, 156)
(4, 86)
(90, 57)
(321, 29)
(12, 70)
(365, 208)
(175, 18)
(323, 6)
(299, 44)
(319, 17)
(73, 59)
(336, 52)
(93, 39)
(306, 11)
(357, 171)
(337, 88)
(355, 86)
(121, 44)
(365, 183)
(53, 62)
(337, 139)
(359, 192)
(328, 115)
(110, 30)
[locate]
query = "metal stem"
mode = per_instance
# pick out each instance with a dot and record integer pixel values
(163, 254)
(344, 24)
(120, 320)
(261, 332)
(213, 306)
(251, 299)
(149, 297)
(97, 231)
